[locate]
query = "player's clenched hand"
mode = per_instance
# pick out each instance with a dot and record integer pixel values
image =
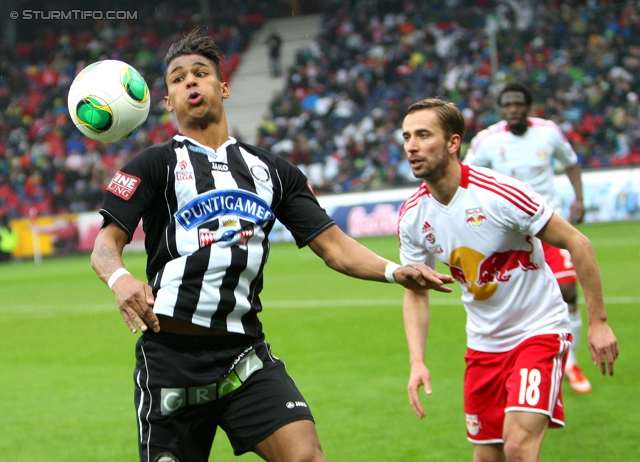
(419, 377)
(419, 277)
(603, 346)
(135, 302)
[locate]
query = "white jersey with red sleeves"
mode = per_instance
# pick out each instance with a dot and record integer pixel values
(486, 235)
(527, 157)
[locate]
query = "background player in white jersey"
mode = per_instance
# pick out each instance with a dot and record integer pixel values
(207, 204)
(524, 147)
(486, 227)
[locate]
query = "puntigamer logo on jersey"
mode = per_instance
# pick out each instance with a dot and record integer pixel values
(123, 185)
(220, 203)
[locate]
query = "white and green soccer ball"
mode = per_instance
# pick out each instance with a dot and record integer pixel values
(108, 101)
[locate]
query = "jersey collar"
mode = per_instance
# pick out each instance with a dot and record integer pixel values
(506, 124)
(464, 175)
(206, 149)
(464, 179)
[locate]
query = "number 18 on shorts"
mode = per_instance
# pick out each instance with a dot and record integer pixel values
(527, 378)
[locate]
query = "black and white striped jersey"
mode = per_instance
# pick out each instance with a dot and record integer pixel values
(207, 215)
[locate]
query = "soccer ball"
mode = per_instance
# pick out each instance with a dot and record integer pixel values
(108, 101)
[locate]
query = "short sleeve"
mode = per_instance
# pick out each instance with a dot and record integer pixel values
(475, 155)
(134, 187)
(563, 151)
(412, 251)
(529, 213)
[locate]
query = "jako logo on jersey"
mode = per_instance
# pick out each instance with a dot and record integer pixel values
(123, 185)
(217, 203)
(292, 404)
(219, 167)
(476, 218)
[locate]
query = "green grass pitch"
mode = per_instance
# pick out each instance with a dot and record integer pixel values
(66, 363)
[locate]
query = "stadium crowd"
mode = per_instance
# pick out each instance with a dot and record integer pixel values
(46, 165)
(338, 116)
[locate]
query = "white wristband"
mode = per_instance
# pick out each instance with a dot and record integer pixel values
(389, 269)
(116, 275)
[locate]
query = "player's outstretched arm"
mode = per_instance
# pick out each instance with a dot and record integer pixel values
(576, 210)
(134, 298)
(415, 310)
(603, 344)
(346, 255)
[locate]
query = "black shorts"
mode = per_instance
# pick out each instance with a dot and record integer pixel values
(186, 386)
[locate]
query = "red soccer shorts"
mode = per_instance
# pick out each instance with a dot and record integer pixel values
(559, 260)
(527, 378)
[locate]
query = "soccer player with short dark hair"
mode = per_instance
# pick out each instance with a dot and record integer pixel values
(526, 148)
(207, 204)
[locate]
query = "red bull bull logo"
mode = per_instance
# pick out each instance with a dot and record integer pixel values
(498, 266)
(458, 275)
(480, 275)
(473, 424)
(476, 218)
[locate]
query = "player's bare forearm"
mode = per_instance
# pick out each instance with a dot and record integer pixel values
(345, 255)
(107, 251)
(576, 210)
(134, 298)
(603, 344)
(105, 260)
(416, 315)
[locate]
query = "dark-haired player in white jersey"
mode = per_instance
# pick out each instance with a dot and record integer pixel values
(524, 147)
(207, 204)
(487, 228)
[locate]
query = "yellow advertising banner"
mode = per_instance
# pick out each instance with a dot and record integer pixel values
(45, 236)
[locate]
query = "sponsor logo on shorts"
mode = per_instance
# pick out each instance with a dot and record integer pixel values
(172, 399)
(292, 404)
(473, 424)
